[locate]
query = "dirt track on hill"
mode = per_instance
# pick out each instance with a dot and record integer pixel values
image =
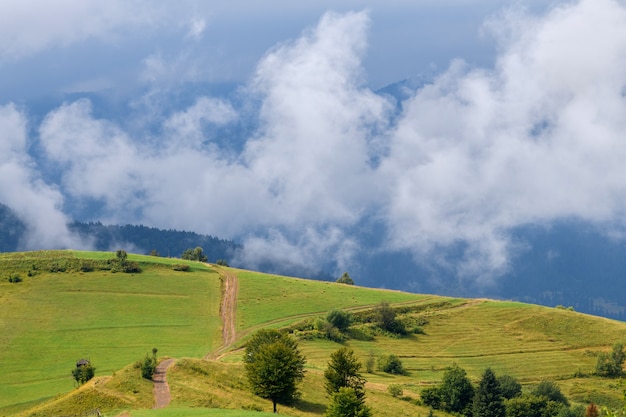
(228, 309)
(162, 396)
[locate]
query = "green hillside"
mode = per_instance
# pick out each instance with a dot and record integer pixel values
(71, 305)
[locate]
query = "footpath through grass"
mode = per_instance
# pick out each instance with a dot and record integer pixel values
(50, 320)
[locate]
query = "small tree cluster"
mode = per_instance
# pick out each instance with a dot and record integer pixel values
(386, 319)
(391, 364)
(345, 279)
(122, 264)
(196, 254)
(83, 372)
(611, 364)
(496, 397)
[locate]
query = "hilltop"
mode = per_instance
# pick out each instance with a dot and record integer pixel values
(70, 306)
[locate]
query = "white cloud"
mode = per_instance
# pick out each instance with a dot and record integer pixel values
(27, 27)
(474, 155)
(537, 139)
(37, 204)
(197, 25)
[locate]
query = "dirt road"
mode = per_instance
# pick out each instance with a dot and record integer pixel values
(228, 309)
(162, 396)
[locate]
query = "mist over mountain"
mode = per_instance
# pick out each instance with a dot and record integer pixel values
(498, 176)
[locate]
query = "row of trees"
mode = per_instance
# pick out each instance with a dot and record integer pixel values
(497, 397)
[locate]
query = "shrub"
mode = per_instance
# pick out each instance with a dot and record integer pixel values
(550, 391)
(181, 267)
(385, 317)
(196, 254)
(390, 364)
(86, 266)
(149, 364)
(339, 319)
(15, 277)
(611, 364)
(222, 262)
(83, 372)
(395, 390)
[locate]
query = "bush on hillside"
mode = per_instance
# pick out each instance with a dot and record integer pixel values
(196, 254)
(83, 372)
(391, 364)
(339, 319)
(14, 278)
(181, 267)
(148, 365)
(395, 390)
(611, 364)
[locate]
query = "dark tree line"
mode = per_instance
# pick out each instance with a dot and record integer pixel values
(155, 241)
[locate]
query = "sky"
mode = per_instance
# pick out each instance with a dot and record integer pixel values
(261, 123)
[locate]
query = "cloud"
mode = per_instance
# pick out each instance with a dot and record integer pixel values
(36, 203)
(471, 157)
(197, 25)
(536, 139)
(28, 27)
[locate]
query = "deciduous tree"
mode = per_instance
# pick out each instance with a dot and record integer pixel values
(274, 366)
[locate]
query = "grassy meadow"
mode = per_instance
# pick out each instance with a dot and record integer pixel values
(51, 319)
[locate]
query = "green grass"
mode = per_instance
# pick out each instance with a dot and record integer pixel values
(51, 320)
(265, 298)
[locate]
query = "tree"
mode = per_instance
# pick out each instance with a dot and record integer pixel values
(456, 391)
(611, 365)
(488, 397)
(345, 279)
(83, 372)
(385, 317)
(550, 391)
(339, 319)
(196, 254)
(121, 255)
(390, 364)
(274, 366)
(346, 403)
(509, 386)
(149, 364)
(343, 371)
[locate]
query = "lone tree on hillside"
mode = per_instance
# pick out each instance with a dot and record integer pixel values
(148, 364)
(345, 279)
(196, 254)
(274, 366)
(83, 372)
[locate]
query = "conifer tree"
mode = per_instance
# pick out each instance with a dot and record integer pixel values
(488, 398)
